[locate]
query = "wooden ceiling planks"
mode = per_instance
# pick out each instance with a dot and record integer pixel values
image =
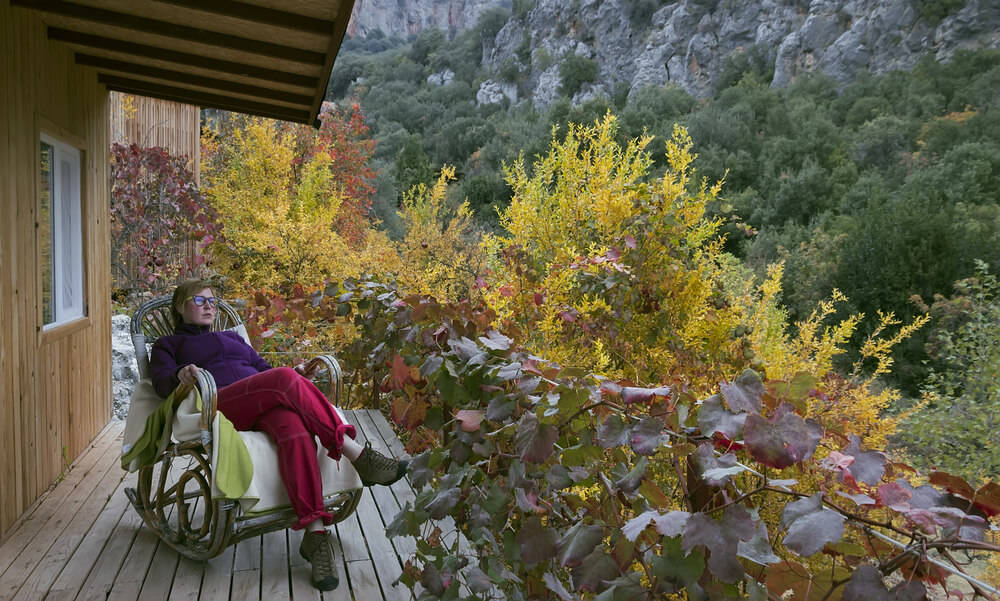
(270, 58)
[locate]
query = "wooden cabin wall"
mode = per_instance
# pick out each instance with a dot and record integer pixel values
(55, 386)
(154, 122)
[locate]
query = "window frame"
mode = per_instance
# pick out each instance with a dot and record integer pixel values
(64, 144)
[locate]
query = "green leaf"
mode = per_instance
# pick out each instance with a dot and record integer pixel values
(675, 565)
(420, 471)
(595, 569)
(579, 542)
(443, 502)
(405, 523)
(631, 480)
(623, 588)
(434, 418)
(558, 477)
(652, 493)
(556, 587)
(534, 441)
(499, 409)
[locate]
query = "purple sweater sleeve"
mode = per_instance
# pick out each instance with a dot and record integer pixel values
(257, 361)
(163, 367)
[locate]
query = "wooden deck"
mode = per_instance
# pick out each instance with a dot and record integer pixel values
(82, 541)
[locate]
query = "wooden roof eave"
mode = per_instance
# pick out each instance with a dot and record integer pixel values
(241, 62)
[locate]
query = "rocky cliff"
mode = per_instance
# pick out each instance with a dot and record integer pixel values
(689, 43)
(405, 17)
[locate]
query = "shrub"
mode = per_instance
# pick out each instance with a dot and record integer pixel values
(574, 71)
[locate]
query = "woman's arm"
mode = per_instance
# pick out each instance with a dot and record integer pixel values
(163, 368)
(257, 361)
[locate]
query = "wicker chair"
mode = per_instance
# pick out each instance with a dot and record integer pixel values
(174, 494)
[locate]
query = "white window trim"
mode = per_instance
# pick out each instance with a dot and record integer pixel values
(67, 247)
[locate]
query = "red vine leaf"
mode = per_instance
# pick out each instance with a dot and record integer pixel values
(810, 525)
(534, 441)
(953, 484)
(783, 440)
(744, 393)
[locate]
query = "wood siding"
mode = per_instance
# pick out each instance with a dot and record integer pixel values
(55, 386)
(153, 122)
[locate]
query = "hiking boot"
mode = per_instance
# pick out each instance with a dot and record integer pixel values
(317, 549)
(376, 468)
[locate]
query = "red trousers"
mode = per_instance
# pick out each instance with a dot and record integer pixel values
(291, 410)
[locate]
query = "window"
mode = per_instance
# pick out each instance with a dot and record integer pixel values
(60, 231)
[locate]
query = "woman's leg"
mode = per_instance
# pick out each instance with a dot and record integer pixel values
(297, 464)
(244, 401)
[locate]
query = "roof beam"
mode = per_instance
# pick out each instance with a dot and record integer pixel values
(203, 99)
(181, 58)
(173, 30)
(257, 14)
(336, 38)
(192, 79)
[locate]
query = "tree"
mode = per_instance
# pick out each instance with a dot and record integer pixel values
(956, 429)
(157, 211)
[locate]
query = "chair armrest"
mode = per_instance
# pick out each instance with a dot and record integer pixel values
(209, 399)
(334, 389)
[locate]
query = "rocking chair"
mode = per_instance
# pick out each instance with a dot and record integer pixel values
(174, 494)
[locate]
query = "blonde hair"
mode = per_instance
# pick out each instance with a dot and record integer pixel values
(182, 292)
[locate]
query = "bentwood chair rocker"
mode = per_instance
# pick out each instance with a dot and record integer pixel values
(175, 495)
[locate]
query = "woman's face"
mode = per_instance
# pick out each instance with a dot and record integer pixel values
(199, 316)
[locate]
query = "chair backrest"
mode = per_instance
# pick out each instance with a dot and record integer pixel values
(154, 319)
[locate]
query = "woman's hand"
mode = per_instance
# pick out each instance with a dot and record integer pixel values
(188, 374)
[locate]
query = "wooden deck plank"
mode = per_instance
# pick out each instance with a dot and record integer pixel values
(159, 578)
(218, 578)
(88, 553)
(274, 567)
(364, 583)
(102, 576)
(24, 534)
(246, 585)
(187, 580)
(128, 582)
(40, 544)
(246, 570)
(42, 578)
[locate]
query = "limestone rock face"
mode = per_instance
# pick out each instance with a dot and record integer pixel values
(124, 374)
(494, 92)
(406, 17)
(690, 42)
(442, 78)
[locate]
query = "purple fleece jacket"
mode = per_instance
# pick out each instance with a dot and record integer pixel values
(224, 354)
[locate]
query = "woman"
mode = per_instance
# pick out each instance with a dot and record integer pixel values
(278, 401)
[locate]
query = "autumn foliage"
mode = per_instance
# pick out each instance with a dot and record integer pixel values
(160, 222)
(617, 410)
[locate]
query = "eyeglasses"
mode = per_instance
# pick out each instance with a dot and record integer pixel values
(200, 300)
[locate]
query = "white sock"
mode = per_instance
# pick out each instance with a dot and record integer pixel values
(316, 526)
(351, 449)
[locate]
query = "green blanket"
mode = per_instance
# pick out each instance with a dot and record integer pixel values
(234, 468)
